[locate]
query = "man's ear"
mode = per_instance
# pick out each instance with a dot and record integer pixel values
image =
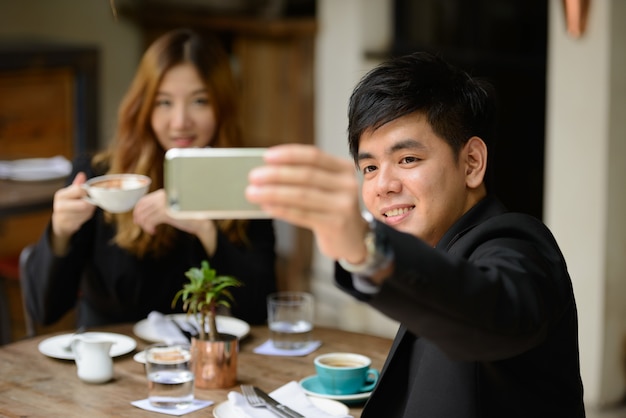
(475, 160)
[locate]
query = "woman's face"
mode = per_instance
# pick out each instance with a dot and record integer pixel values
(183, 115)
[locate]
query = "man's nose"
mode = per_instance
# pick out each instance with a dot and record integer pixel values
(387, 181)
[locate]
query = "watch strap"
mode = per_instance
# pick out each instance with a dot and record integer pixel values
(379, 255)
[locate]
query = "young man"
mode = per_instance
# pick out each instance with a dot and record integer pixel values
(488, 316)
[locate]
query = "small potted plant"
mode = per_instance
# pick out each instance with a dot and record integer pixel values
(214, 354)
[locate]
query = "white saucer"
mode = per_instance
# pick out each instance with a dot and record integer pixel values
(225, 410)
(145, 330)
(140, 357)
(312, 386)
(55, 346)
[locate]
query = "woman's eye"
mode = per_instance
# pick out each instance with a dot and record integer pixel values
(201, 101)
(162, 103)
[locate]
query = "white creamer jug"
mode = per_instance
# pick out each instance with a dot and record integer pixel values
(92, 357)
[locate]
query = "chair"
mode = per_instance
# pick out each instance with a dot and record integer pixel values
(9, 277)
(12, 269)
(5, 313)
(23, 261)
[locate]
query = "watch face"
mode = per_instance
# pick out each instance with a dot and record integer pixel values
(370, 244)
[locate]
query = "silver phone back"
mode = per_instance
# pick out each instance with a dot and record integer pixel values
(210, 182)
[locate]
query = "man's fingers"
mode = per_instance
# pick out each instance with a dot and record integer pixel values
(300, 154)
(307, 176)
(313, 199)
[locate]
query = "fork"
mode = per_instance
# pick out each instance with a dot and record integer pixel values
(68, 347)
(256, 402)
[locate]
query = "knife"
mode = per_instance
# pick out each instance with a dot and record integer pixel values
(274, 404)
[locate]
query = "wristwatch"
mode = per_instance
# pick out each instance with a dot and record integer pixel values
(379, 254)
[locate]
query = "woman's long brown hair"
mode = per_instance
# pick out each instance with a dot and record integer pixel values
(135, 148)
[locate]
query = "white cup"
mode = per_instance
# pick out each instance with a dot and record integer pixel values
(116, 193)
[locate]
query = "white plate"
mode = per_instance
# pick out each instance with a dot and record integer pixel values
(225, 410)
(312, 387)
(225, 324)
(36, 169)
(55, 346)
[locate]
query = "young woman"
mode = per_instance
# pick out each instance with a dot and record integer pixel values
(119, 267)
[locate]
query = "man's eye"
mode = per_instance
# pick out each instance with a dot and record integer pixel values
(368, 169)
(408, 160)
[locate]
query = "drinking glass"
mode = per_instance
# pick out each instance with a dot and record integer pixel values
(170, 375)
(290, 319)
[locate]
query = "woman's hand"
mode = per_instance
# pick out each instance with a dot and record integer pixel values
(69, 212)
(151, 211)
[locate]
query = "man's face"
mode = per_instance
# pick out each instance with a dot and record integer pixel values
(411, 178)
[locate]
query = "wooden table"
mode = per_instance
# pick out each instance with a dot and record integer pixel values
(33, 385)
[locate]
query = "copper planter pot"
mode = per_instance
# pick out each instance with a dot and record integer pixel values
(215, 362)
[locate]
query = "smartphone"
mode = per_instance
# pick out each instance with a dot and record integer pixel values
(210, 183)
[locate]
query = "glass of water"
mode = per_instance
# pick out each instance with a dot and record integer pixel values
(290, 319)
(170, 375)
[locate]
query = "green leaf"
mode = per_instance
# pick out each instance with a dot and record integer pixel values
(205, 291)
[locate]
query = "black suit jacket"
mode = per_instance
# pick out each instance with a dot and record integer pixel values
(488, 323)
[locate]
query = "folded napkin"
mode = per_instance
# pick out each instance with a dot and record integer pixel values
(163, 327)
(268, 349)
(35, 168)
(290, 394)
(197, 404)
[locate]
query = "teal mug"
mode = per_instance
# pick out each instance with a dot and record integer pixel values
(345, 373)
